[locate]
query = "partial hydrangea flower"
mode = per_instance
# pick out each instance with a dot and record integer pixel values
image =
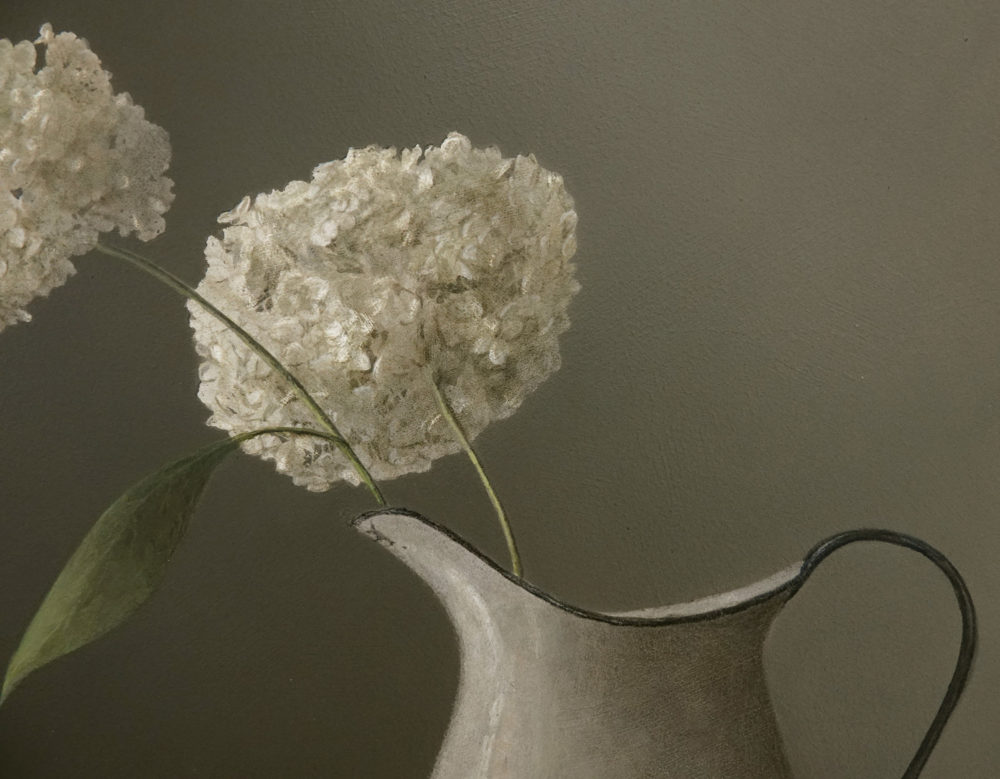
(385, 272)
(76, 160)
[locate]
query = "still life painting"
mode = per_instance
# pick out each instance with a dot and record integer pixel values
(517, 390)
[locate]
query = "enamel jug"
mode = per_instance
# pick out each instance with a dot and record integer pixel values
(549, 691)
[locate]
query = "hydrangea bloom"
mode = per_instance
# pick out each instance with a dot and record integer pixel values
(76, 160)
(385, 272)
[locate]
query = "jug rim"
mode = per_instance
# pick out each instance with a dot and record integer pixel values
(787, 580)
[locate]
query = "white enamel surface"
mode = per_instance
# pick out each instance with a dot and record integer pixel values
(544, 692)
(723, 600)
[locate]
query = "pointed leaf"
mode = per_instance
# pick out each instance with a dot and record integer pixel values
(119, 564)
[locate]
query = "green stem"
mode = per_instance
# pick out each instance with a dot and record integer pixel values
(176, 284)
(241, 437)
(446, 410)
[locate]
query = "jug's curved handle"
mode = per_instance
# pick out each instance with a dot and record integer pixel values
(967, 648)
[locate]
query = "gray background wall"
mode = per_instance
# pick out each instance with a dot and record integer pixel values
(789, 326)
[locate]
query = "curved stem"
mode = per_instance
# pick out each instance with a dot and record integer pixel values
(241, 437)
(446, 410)
(176, 284)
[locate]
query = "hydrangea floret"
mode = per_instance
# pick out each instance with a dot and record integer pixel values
(387, 278)
(76, 160)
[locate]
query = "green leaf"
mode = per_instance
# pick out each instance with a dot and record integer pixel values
(119, 564)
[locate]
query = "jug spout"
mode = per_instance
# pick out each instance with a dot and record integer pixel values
(459, 575)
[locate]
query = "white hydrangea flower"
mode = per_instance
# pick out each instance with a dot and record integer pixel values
(385, 270)
(76, 160)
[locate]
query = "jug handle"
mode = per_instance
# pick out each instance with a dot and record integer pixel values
(967, 648)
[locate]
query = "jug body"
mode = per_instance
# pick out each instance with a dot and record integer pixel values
(547, 690)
